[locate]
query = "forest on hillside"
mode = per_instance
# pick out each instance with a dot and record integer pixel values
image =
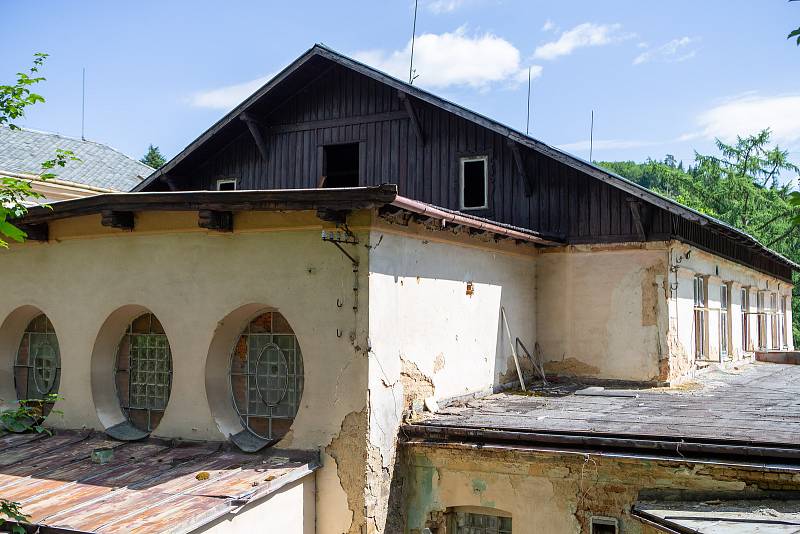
(750, 184)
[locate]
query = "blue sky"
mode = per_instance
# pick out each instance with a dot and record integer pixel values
(662, 77)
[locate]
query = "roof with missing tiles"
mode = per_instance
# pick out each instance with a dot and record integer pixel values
(146, 486)
(23, 151)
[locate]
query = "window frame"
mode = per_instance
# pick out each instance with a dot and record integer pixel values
(466, 159)
(724, 320)
(41, 400)
(478, 512)
(774, 341)
(233, 181)
(784, 341)
(744, 305)
(604, 521)
(700, 316)
(762, 320)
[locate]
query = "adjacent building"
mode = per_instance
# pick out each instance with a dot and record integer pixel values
(101, 169)
(343, 252)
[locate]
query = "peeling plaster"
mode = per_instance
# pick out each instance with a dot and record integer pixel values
(349, 451)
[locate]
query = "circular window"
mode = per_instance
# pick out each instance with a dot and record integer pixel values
(37, 368)
(266, 373)
(143, 372)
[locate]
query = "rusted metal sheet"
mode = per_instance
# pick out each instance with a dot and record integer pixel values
(146, 486)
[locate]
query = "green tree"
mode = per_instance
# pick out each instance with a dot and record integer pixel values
(794, 33)
(746, 184)
(154, 158)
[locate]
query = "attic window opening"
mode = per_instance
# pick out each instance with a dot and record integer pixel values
(474, 182)
(226, 185)
(604, 525)
(341, 165)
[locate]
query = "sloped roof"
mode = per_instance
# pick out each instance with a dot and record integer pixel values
(321, 52)
(145, 486)
(23, 151)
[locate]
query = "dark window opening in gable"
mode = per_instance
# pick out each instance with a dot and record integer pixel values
(474, 182)
(226, 185)
(341, 165)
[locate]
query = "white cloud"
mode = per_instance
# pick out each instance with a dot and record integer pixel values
(582, 35)
(229, 96)
(748, 114)
(447, 59)
(549, 25)
(443, 6)
(671, 52)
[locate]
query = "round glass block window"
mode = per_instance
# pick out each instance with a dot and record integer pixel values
(266, 376)
(37, 367)
(143, 372)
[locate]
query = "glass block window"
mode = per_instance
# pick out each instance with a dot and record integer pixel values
(471, 523)
(37, 367)
(266, 375)
(143, 372)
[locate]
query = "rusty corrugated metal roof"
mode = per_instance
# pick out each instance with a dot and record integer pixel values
(147, 486)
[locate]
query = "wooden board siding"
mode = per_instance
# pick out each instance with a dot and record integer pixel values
(563, 201)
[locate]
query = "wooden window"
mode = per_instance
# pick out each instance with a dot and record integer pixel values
(783, 316)
(604, 525)
(143, 372)
(745, 302)
(773, 316)
(266, 374)
(724, 290)
(762, 321)
(228, 184)
(37, 367)
(700, 317)
(341, 165)
(474, 182)
(462, 522)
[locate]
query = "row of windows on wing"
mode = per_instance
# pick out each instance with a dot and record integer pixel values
(266, 372)
(341, 168)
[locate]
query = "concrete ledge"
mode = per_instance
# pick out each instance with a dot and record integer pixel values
(779, 356)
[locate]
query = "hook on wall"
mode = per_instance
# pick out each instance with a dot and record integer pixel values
(339, 303)
(338, 333)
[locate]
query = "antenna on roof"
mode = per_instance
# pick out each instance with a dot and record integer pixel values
(591, 137)
(528, 121)
(411, 75)
(83, 103)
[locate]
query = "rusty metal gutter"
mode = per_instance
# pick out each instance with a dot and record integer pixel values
(582, 442)
(477, 223)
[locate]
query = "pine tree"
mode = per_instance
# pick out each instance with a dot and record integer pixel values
(154, 158)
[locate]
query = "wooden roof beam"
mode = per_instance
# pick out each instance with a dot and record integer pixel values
(526, 179)
(412, 114)
(255, 130)
(636, 214)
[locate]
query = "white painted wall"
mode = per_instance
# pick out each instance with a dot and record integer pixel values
(420, 312)
(601, 311)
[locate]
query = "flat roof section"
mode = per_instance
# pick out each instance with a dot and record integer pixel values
(145, 486)
(752, 411)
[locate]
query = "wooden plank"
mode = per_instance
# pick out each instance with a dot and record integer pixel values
(408, 105)
(636, 214)
(520, 166)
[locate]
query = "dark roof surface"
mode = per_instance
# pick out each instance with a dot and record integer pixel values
(757, 516)
(23, 151)
(147, 486)
(757, 405)
(317, 55)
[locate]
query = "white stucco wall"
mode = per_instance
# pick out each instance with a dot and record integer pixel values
(192, 280)
(429, 337)
(601, 310)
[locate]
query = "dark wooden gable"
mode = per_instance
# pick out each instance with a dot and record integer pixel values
(408, 137)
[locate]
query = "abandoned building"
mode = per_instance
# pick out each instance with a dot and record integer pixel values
(101, 169)
(307, 319)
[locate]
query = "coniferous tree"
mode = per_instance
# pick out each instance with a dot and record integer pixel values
(154, 158)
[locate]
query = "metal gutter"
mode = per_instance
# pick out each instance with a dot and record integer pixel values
(428, 210)
(672, 448)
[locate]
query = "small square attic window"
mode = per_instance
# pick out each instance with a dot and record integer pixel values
(474, 182)
(226, 185)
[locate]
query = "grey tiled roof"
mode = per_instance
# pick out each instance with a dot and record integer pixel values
(23, 151)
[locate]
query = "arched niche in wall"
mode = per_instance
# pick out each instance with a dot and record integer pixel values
(254, 376)
(131, 373)
(30, 360)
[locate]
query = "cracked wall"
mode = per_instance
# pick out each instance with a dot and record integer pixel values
(559, 492)
(435, 331)
(602, 310)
